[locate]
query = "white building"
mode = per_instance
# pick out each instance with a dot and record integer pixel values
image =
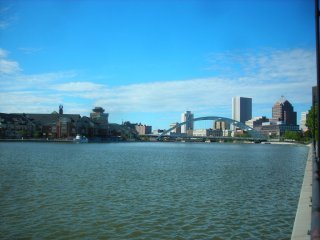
(241, 109)
(187, 117)
(207, 132)
(303, 121)
(201, 132)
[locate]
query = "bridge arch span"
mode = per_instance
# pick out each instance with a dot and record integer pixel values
(254, 133)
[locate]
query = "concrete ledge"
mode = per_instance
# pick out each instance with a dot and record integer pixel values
(302, 223)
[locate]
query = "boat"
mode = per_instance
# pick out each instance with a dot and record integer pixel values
(80, 139)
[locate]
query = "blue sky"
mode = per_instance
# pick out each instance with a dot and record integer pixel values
(149, 61)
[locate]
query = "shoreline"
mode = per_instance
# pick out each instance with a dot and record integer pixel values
(302, 222)
(139, 141)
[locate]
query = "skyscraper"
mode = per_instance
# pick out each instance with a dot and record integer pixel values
(187, 117)
(241, 109)
(282, 110)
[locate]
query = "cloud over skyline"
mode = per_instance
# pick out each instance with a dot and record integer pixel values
(8, 66)
(265, 77)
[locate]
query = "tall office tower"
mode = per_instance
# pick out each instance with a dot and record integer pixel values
(282, 110)
(241, 109)
(185, 117)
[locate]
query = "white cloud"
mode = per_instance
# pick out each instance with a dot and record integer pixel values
(4, 24)
(6, 17)
(46, 77)
(78, 87)
(291, 72)
(30, 50)
(28, 101)
(3, 53)
(9, 67)
(198, 95)
(264, 76)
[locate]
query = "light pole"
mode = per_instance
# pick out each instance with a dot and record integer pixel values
(318, 70)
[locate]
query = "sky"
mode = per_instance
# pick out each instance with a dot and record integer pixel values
(149, 61)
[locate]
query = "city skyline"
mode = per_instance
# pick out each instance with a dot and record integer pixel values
(150, 61)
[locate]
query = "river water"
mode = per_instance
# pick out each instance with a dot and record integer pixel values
(149, 190)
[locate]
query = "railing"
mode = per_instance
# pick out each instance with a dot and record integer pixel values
(315, 214)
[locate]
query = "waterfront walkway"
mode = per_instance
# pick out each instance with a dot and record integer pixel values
(302, 223)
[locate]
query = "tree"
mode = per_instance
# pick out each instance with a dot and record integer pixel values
(293, 135)
(312, 121)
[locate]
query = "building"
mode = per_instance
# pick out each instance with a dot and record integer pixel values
(177, 128)
(98, 115)
(60, 109)
(283, 111)
(100, 118)
(221, 125)
(256, 122)
(143, 129)
(303, 122)
(54, 125)
(207, 132)
(86, 127)
(284, 118)
(189, 126)
(158, 131)
(241, 109)
(200, 132)
(16, 126)
(277, 130)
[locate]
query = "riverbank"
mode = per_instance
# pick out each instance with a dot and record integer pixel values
(37, 140)
(302, 223)
(118, 140)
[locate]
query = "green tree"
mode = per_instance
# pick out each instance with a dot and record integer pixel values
(37, 134)
(293, 135)
(23, 133)
(312, 121)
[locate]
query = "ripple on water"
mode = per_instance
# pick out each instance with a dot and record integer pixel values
(149, 191)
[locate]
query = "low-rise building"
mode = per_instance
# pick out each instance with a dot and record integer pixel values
(201, 132)
(207, 132)
(15, 126)
(256, 122)
(277, 129)
(158, 131)
(54, 125)
(143, 129)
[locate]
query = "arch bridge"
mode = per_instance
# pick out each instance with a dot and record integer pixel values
(253, 133)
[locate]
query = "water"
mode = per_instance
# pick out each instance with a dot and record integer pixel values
(149, 190)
